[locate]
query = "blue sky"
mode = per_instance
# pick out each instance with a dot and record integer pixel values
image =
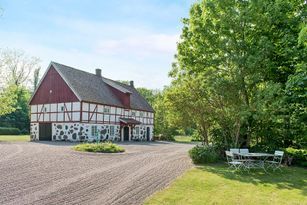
(127, 39)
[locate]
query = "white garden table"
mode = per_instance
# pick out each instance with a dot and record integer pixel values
(254, 160)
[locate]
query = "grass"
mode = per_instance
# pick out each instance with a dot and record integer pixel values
(216, 184)
(99, 147)
(186, 139)
(14, 138)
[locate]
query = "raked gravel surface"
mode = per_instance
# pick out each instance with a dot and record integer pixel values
(52, 173)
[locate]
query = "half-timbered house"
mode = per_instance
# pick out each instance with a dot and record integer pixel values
(74, 105)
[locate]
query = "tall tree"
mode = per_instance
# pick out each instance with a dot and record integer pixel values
(241, 49)
(36, 78)
(8, 99)
(17, 67)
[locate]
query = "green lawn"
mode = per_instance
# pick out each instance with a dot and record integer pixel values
(183, 139)
(216, 184)
(14, 138)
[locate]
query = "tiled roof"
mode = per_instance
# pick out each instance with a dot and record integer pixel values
(92, 88)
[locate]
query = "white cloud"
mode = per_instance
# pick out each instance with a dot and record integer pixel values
(150, 44)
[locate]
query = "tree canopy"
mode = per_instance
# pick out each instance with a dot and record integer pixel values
(235, 63)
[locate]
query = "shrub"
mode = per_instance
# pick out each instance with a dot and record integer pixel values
(296, 156)
(106, 147)
(196, 137)
(165, 137)
(9, 131)
(204, 154)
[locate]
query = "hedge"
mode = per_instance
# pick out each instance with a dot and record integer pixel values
(202, 154)
(296, 156)
(9, 131)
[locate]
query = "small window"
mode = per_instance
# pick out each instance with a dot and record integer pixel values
(94, 131)
(133, 113)
(62, 108)
(106, 109)
(141, 114)
(137, 130)
(112, 130)
(45, 109)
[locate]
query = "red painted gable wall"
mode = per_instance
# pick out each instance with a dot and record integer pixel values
(123, 97)
(53, 89)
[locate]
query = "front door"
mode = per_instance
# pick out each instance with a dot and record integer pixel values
(45, 131)
(148, 133)
(126, 133)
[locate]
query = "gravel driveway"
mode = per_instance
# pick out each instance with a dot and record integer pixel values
(52, 173)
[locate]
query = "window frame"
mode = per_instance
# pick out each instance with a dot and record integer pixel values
(94, 130)
(107, 109)
(112, 129)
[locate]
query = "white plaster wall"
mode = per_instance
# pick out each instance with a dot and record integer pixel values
(46, 116)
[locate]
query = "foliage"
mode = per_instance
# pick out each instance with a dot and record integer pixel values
(19, 118)
(9, 131)
(14, 138)
(196, 136)
(15, 74)
(299, 156)
(217, 184)
(18, 66)
(163, 137)
(149, 95)
(240, 73)
(204, 154)
(8, 99)
(183, 139)
(107, 147)
(36, 78)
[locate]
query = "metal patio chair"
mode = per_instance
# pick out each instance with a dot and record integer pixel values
(234, 150)
(276, 162)
(244, 151)
(232, 162)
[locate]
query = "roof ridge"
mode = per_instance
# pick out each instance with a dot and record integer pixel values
(115, 81)
(75, 68)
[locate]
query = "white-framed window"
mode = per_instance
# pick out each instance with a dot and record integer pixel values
(45, 109)
(62, 108)
(141, 114)
(137, 130)
(94, 131)
(106, 109)
(112, 130)
(133, 113)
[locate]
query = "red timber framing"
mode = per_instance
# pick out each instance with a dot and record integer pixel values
(95, 112)
(67, 115)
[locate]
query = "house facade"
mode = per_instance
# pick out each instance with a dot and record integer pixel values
(73, 105)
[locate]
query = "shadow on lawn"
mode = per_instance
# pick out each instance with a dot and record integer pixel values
(289, 178)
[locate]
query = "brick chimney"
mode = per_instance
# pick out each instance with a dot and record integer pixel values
(98, 72)
(131, 83)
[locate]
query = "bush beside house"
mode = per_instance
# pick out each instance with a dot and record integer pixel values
(9, 131)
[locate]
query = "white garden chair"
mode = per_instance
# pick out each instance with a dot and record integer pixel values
(232, 162)
(276, 162)
(233, 150)
(244, 151)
